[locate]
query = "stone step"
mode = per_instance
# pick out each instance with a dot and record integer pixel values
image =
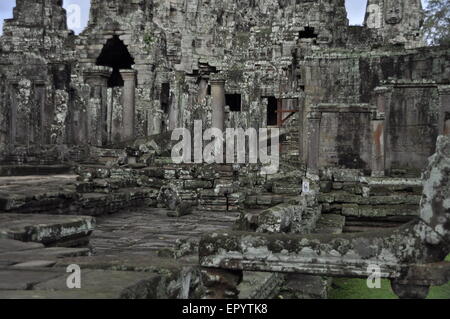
(266, 200)
(368, 211)
(24, 170)
(387, 186)
(286, 189)
(348, 198)
(330, 224)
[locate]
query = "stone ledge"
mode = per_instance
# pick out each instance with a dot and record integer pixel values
(45, 229)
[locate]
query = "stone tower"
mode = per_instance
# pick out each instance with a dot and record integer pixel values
(396, 21)
(37, 26)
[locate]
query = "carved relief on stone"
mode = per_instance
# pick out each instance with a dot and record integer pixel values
(393, 11)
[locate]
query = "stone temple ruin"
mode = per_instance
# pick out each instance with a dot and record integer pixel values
(87, 178)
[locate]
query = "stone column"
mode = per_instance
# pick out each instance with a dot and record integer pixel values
(157, 121)
(202, 90)
(381, 146)
(314, 119)
(444, 112)
(218, 103)
(12, 87)
(97, 78)
(378, 158)
(129, 104)
(301, 108)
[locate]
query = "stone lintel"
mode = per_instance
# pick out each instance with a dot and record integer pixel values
(344, 108)
(97, 74)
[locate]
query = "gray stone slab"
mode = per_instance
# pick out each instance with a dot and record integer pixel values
(50, 254)
(46, 229)
(103, 284)
(7, 245)
(25, 279)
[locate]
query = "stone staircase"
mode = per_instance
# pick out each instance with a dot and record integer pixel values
(370, 203)
(225, 194)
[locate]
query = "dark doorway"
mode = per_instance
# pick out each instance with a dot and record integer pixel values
(165, 97)
(115, 55)
(234, 101)
(272, 107)
(308, 33)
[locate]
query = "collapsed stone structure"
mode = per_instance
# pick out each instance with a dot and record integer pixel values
(359, 108)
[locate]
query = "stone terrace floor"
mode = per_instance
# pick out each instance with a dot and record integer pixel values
(143, 229)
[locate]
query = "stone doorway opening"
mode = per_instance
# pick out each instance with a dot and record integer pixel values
(272, 111)
(115, 54)
(308, 33)
(234, 101)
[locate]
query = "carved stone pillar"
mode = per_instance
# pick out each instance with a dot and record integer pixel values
(97, 78)
(129, 104)
(378, 160)
(444, 112)
(314, 119)
(218, 103)
(381, 146)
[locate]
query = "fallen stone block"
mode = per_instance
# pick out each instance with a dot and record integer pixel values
(171, 197)
(49, 230)
(347, 175)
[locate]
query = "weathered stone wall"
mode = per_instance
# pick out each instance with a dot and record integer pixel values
(345, 136)
(412, 126)
(35, 77)
(296, 53)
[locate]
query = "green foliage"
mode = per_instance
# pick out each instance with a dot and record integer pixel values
(437, 22)
(357, 289)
